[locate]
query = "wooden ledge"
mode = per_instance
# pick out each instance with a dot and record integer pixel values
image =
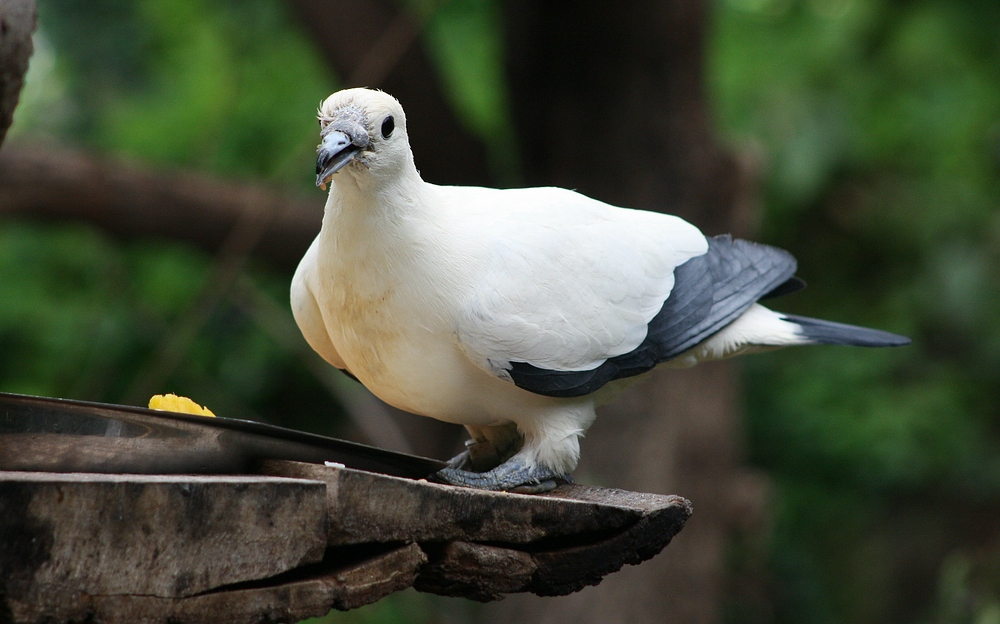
(299, 539)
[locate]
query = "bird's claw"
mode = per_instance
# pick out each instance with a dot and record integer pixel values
(514, 475)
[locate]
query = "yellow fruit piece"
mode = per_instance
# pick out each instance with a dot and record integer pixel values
(181, 404)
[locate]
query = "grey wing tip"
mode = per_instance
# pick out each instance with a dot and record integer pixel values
(829, 332)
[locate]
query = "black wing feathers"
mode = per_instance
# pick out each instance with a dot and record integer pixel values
(710, 291)
(791, 285)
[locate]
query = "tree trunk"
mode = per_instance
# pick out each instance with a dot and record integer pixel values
(371, 43)
(610, 101)
(17, 22)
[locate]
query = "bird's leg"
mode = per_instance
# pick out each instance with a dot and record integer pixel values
(514, 475)
(478, 456)
(489, 447)
(462, 461)
(495, 459)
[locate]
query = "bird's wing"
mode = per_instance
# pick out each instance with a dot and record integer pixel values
(306, 312)
(568, 282)
(578, 293)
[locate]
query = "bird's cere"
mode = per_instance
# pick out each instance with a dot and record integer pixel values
(514, 312)
(344, 135)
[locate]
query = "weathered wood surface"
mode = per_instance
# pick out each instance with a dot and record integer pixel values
(347, 586)
(298, 541)
(155, 535)
(369, 507)
(559, 564)
(549, 544)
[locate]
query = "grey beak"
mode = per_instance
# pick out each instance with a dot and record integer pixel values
(334, 152)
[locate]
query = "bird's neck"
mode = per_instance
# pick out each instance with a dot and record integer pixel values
(375, 220)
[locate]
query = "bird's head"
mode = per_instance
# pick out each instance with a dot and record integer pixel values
(361, 131)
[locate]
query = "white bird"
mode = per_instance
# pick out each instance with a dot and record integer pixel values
(515, 312)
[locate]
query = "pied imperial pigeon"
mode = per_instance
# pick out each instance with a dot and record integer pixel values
(515, 312)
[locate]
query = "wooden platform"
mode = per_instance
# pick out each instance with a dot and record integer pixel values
(298, 540)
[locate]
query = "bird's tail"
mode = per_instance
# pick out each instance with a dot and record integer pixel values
(827, 332)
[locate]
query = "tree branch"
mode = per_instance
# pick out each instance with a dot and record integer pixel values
(131, 201)
(17, 22)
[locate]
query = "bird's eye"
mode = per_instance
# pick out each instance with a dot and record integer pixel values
(388, 126)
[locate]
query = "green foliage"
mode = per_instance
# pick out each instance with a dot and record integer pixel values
(408, 606)
(84, 315)
(879, 124)
(220, 85)
(877, 127)
(226, 86)
(465, 39)
(957, 601)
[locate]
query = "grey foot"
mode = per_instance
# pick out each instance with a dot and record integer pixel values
(514, 475)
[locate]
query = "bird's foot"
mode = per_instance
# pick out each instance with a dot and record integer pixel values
(514, 475)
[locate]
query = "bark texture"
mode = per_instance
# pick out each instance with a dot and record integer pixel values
(17, 22)
(231, 549)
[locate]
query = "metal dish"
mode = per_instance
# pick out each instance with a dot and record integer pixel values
(63, 435)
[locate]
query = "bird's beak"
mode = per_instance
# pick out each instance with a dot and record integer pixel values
(336, 150)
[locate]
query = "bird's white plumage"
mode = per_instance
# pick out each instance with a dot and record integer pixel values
(427, 293)
(561, 281)
(757, 329)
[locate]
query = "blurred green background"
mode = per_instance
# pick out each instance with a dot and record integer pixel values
(873, 125)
